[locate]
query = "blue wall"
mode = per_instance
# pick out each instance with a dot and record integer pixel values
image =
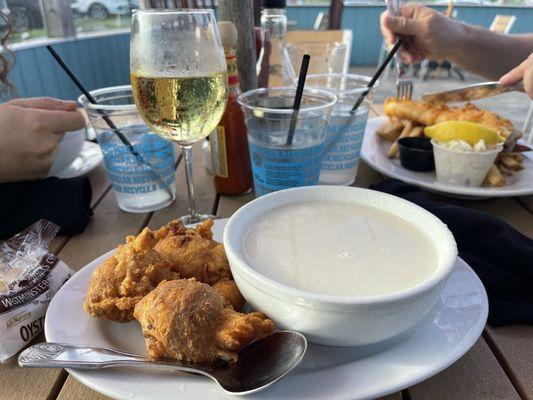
(98, 62)
(364, 22)
(104, 61)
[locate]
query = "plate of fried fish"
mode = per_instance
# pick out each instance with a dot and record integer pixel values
(511, 173)
(169, 293)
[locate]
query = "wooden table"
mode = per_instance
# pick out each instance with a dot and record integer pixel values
(499, 366)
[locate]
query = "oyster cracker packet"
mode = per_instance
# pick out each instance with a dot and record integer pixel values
(29, 278)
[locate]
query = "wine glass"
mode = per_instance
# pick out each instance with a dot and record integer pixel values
(178, 77)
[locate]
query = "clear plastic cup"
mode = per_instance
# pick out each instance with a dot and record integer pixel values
(345, 131)
(275, 164)
(142, 177)
(463, 168)
(326, 58)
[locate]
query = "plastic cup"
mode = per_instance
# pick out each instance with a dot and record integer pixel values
(142, 179)
(326, 58)
(345, 131)
(268, 112)
(462, 168)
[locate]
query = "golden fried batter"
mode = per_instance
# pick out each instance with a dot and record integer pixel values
(192, 252)
(190, 321)
(230, 291)
(123, 279)
(432, 113)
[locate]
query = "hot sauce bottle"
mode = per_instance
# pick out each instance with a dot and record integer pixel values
(229, 144)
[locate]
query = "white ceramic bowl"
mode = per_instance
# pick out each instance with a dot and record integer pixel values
(69, 148)
(338, 320)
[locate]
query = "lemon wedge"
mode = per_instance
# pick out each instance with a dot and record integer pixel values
(470, 132)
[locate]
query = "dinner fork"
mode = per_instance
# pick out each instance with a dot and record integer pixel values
(404, 84)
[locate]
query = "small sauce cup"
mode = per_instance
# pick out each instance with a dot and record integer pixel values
(463, 168)
(416, 154)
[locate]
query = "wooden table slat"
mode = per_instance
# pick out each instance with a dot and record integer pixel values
(514, 346)
(18, 383)
(72, 389)
(477, 375)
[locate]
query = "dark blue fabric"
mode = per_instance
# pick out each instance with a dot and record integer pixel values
(501, 256)
(65, 202)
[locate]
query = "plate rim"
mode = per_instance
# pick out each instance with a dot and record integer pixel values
(477, 192)
(461, 349)
(89, 144)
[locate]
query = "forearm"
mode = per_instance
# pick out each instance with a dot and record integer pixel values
(490, 54)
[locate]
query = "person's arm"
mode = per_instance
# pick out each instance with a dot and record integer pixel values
(30, 131)
(431, 35)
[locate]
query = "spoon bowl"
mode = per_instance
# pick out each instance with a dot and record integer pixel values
(260, 364)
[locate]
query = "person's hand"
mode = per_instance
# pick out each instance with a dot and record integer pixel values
(524, 72)
(426, 34)
(30, 131)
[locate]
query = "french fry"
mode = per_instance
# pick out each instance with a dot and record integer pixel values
(517, 156)
(510, 162)
(390, 131)
(494, 177)
(416, 131)
(393, 151)
(504, 170)
(374, 110)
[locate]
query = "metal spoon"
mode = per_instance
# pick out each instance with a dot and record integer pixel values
(260, 364)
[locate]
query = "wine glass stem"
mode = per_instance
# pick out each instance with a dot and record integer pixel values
(187, 157)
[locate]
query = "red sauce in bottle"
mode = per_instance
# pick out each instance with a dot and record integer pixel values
(229, 143)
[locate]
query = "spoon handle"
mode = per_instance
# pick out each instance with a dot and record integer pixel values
(59, 355)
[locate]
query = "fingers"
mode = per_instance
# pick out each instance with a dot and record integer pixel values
(401, 26)
(58, 121)
(524, 72)
(514, 76)
(388, 35)
(528, 80)
(45, 103)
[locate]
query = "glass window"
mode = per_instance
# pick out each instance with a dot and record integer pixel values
(102, 15)
(26, 19)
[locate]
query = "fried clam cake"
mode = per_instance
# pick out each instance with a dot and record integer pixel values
(190, 321)
(192, 252)
(139, 265)
(127, 276)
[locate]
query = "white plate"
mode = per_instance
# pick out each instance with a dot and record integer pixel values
(90, 157)
(331, 373)
(374, 152)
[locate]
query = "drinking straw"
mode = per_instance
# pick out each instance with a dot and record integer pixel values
(298, 97)
(108, 121)
(376, 76)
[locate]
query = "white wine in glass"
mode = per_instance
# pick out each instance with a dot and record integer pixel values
(178, 77)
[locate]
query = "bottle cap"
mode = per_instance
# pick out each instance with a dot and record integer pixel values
(228, 34)
(274, 3)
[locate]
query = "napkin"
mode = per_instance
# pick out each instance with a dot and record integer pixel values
(65, 202)
(501, 256)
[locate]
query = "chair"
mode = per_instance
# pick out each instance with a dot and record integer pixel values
(427, 66)
(502, 23)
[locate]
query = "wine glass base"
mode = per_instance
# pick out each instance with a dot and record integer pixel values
(196, 218)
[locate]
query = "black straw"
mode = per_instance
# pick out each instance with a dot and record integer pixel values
(298, 97)
(376, 76)
(110, 123)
